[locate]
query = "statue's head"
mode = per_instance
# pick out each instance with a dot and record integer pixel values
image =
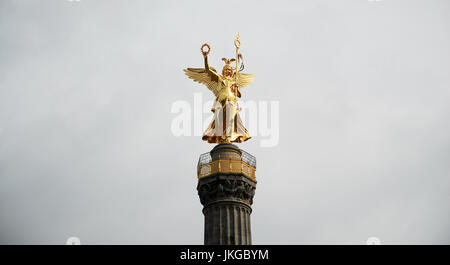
(227, 69)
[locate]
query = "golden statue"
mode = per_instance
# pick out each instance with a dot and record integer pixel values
(227, 126)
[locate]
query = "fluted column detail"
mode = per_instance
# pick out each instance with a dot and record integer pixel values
(227, 224)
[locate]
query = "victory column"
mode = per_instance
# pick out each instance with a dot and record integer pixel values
(226, 174)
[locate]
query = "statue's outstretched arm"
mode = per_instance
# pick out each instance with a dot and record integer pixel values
(211, 74)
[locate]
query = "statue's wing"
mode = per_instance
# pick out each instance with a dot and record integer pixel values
(244, 79)
(201, 76)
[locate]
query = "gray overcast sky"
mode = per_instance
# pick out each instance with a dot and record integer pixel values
(86, 90)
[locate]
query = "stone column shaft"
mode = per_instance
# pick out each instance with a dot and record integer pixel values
(227, 224)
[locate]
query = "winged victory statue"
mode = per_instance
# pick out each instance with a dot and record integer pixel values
(226, 126)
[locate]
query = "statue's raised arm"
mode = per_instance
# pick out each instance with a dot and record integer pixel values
(211, 71)
(207, 76)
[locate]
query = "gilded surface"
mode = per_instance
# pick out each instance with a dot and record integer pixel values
(227, 126)
(227, 166)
